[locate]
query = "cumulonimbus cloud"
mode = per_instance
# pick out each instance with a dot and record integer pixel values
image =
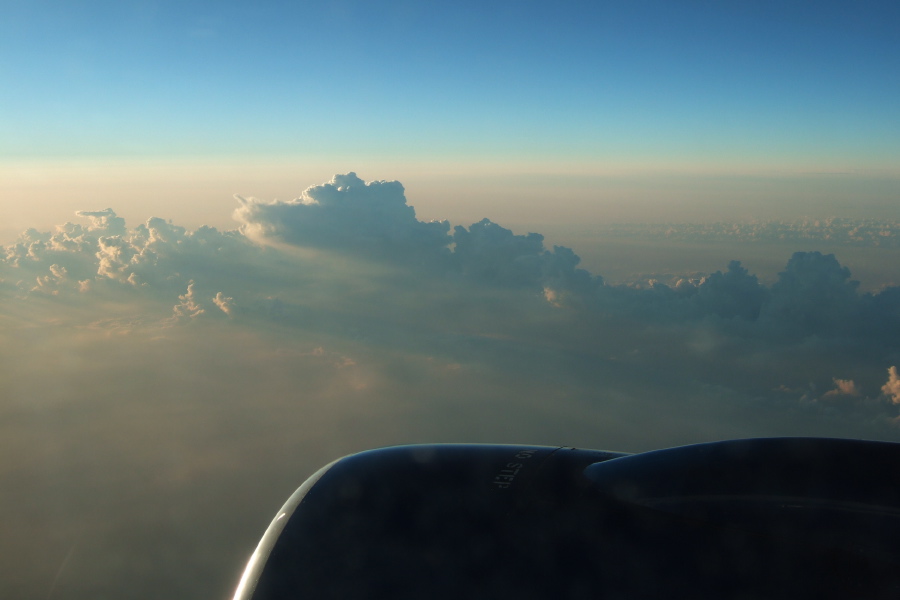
(373, 220)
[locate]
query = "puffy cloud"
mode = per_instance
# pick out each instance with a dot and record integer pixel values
(226, 305)
(891, 389)
(187, 307)
(844, 387)
(116, 257)
(158, 258)
(351, 215)
(374, 221)
(490, 253)
(813, 295)
(735, 293)
(104, 220)
(51, 282)
(814, 301)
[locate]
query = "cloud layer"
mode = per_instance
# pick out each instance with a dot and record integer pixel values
(851, 232)
(350, 258)
(161, 384)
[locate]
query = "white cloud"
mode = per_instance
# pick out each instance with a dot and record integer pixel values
(844, 387)
(104, 220)
(891, 389)
(349, 214)
(224, 304)
(50, 283)
(187, 307)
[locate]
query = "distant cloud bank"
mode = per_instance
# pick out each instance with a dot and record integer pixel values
(367, 268)
(850, 232)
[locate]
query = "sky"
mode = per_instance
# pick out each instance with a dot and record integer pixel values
(239, 242)
(662, 110)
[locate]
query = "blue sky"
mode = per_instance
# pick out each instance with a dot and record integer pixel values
(646, 83)
(524, 112)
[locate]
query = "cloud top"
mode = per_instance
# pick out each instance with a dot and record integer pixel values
(349, 214)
